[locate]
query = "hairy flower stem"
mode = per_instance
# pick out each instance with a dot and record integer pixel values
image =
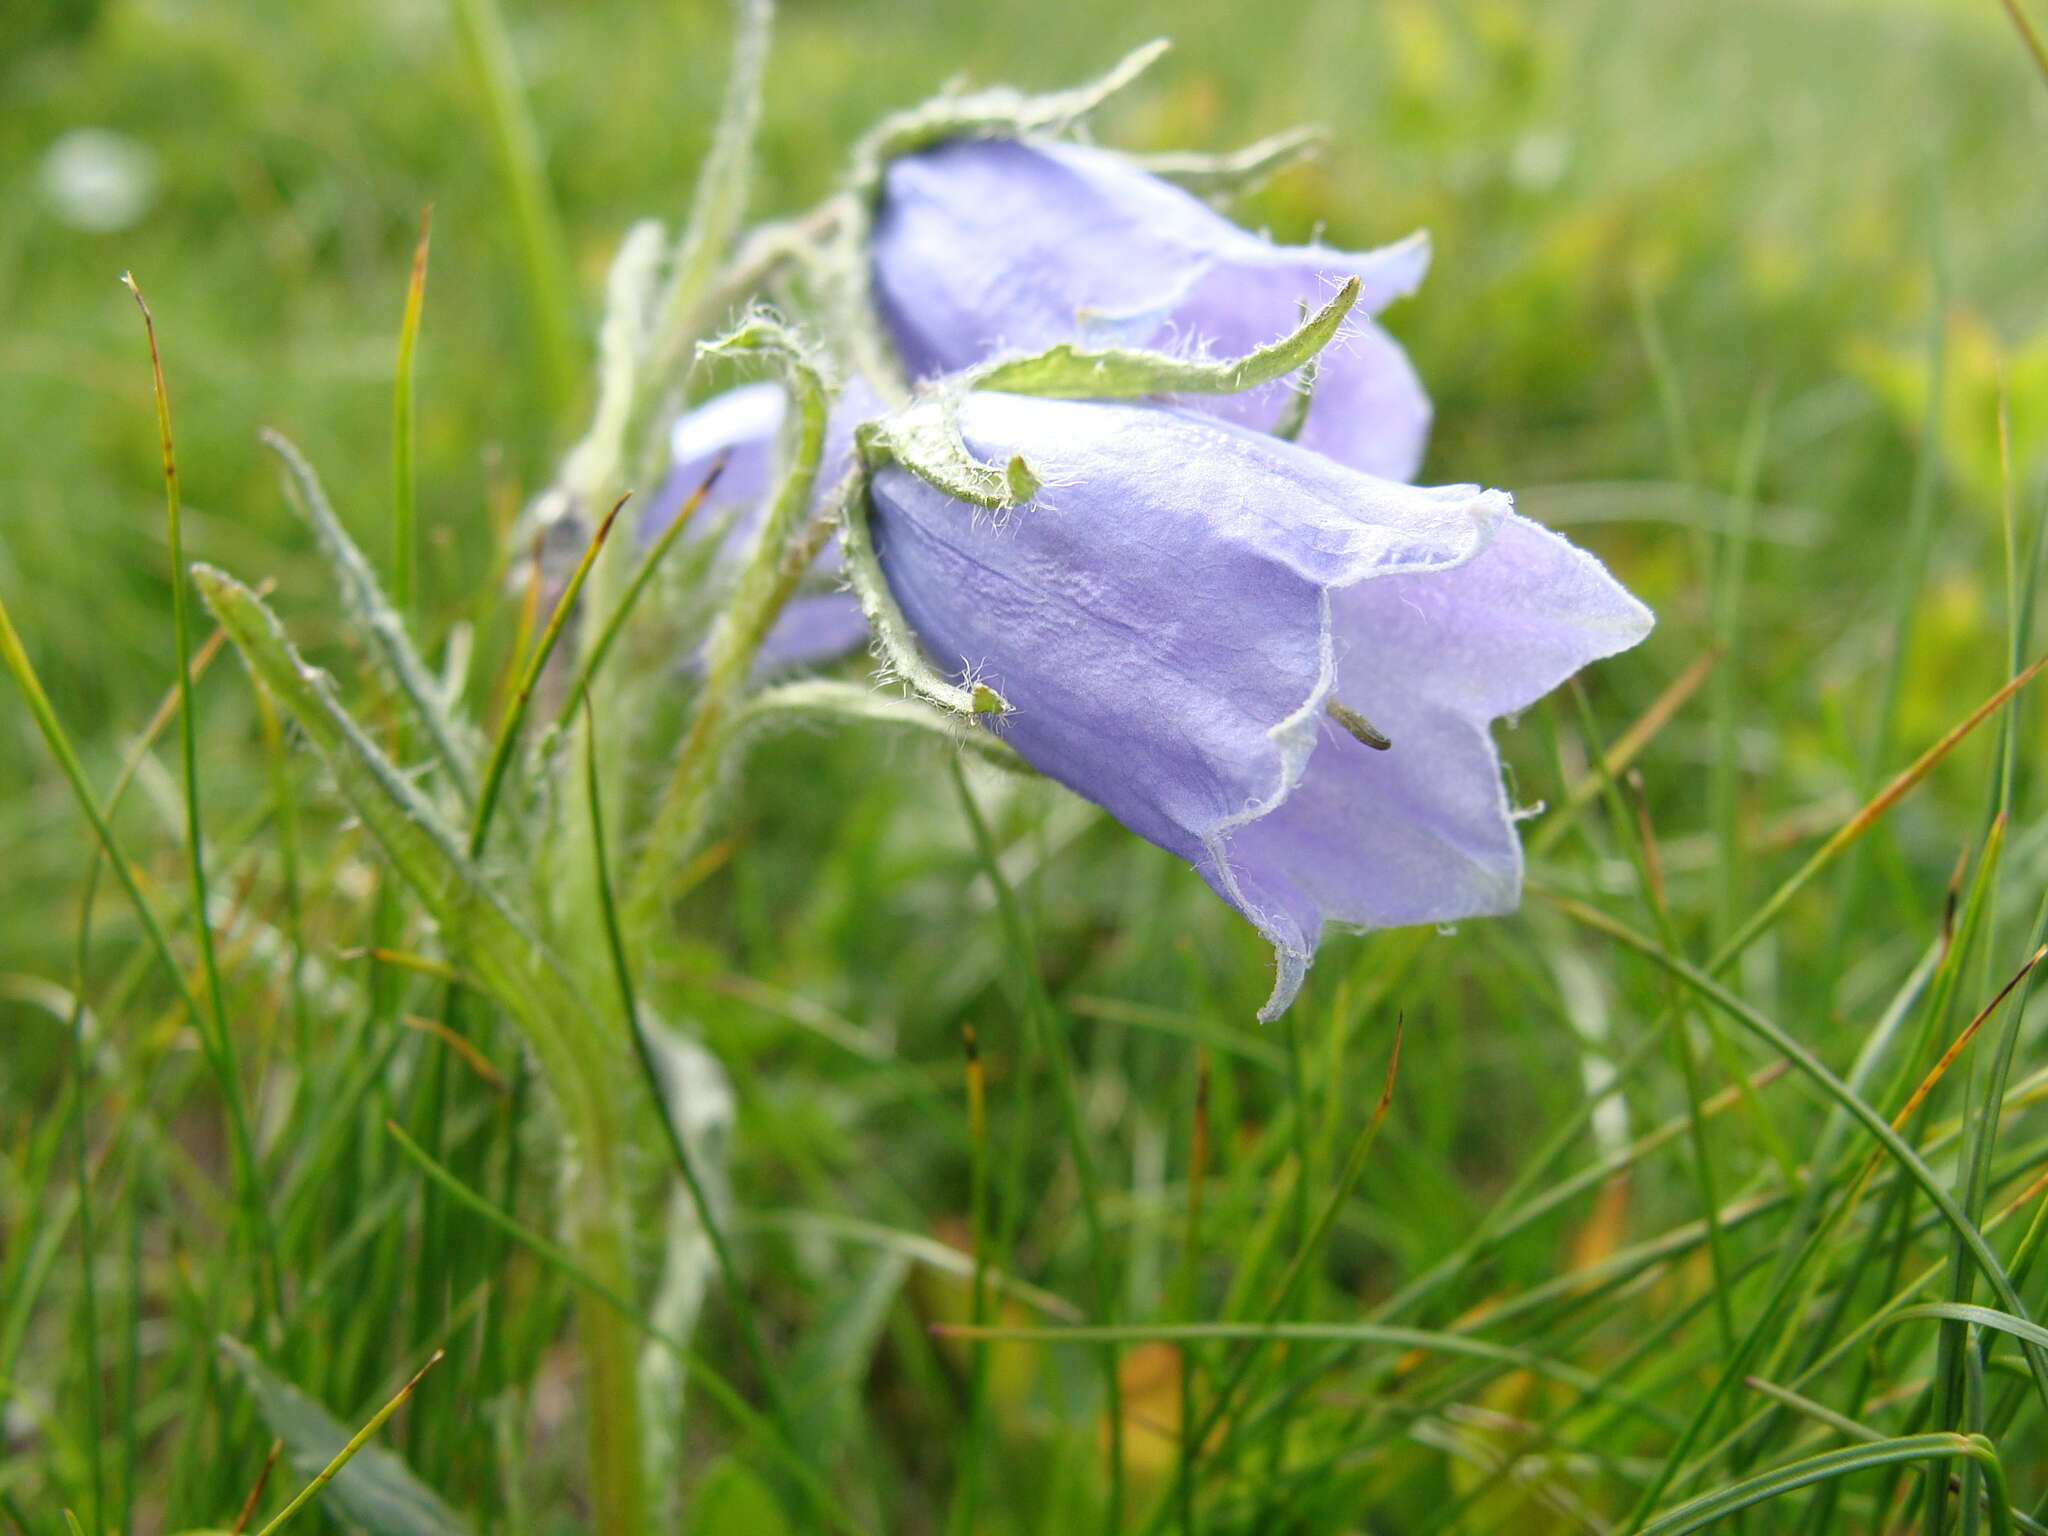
(610, 1350)
(573, 1048)
(765, 584)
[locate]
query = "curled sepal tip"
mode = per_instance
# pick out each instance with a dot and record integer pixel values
(1218, 178)
(999, 110)
(854, 704)
(1294, 415)
(761, 331)
(924, 438)
(1067, 371)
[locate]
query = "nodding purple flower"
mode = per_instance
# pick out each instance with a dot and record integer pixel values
(986, 246)
(743, 428)
(1279, 668)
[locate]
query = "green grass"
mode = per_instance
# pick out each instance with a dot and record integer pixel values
(1734, 294)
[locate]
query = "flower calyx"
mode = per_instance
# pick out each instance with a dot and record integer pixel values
(924, 438)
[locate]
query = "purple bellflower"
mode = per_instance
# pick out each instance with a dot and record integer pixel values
(743, 427)
(988, 246)
(1282, 669)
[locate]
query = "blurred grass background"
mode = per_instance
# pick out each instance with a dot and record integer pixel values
(1655, 225)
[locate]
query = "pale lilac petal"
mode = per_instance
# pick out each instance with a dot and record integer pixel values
(1431, 661)
(1170, 617)
(741, 426)
(985, 246)
(814, 628)
(1368, 409)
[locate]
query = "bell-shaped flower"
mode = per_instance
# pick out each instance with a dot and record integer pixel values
(988, 246)
(739, 433)
(1279, 668)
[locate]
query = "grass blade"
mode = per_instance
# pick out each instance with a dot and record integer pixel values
(542, 249)
(404, 489)
(402, 1506)
(1983, 1317)
(615, 621)
(1865, 818)
(522, 698)
(221, 1047)
(1817, 1072)
(1720, 1504)
(2029, 36)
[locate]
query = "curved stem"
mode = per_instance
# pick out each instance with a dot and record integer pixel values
(765, 583)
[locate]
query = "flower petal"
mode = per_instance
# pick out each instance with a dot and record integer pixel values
(1171, 617)
(742, 426)
(1369, 409)
(1423, 831)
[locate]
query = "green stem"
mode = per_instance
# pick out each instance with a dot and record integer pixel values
(765, 582)
(728, 1271)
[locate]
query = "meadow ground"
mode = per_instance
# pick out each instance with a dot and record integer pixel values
(1732, 293)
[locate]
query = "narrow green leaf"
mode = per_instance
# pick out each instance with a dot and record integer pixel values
(1968, 1312)
(382, 626)
(507, 960)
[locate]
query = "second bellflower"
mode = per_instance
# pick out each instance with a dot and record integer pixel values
(1281, 669)
(985, 246)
